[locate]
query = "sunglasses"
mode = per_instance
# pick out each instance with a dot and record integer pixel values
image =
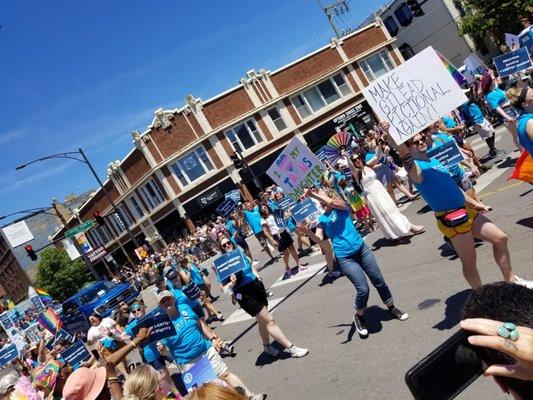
(137, 310)
(225, 244)
(418, 142)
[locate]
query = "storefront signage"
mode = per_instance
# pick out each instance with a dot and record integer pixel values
(97, 253)
(209, 197)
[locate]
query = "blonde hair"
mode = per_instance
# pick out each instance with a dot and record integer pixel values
(513, 94)
(214, 391)
(141, 384)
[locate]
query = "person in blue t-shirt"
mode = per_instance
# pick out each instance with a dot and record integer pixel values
(253, 218)
(193, 340)
(459, 217)
(251, 295)
(522, 98)
(355, 258)
(235, 234)
(149, 353)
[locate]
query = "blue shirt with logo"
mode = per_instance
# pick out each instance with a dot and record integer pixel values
(449, 122)
(247, 274)
(496, 98)
(438, 187)
(253, 218)
(180, 297)
(196, 275)
(339, 227)
(525, 141)
(476, 113)
(189, 341)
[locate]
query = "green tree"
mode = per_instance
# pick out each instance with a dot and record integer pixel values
(60, 276)
(495, 18)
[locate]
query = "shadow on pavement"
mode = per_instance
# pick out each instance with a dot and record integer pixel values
(424, 210)
(328, 280)
(266, 359)
(452, 313)
(527, 192)
(509, 162)
(351, 332)
(382, 242)
(446, 251)
(527, 222)
(427, 304)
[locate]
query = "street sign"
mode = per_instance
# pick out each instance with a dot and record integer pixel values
(96, 254)
(79, 229)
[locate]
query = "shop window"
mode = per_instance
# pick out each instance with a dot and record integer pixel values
(376, 65)
(136, 207)
(151, 194)
(407, 51)
(192, 166)
(245, 135)
(277, 119)
(391, 26)
(404, 14)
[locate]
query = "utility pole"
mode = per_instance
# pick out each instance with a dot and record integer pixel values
(332, 10)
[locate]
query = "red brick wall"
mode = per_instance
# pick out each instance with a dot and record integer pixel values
(170, 178)
(135, 166)
(393, 55)
(228, 107)
(361, 74)
(363, 41)
(212, 153)
(292, 111)
(348, 76)
(263, 127)
(301, 73)
(151, 147)
(225, 143)
(195, 125)
(170, 141)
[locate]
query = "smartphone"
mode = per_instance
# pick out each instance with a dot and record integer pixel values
(95, 354)
(446, 371)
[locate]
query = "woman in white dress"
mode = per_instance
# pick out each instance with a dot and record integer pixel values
(392, 223)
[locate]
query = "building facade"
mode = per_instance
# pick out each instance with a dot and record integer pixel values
(180, 167)
(14, 281)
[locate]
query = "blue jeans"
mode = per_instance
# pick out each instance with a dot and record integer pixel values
(355, 267)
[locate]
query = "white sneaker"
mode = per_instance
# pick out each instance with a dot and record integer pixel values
(270, 350)
(258, 396)
(523, 282)
(297, 352)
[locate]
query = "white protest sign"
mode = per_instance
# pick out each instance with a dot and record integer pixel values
(296, 169)
(17, 233)
(474, 64)
(414, 95)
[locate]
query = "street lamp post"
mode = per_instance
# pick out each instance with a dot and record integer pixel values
(85, 160)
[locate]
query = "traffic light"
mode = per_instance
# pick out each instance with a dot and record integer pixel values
(99, 219)
(31, 253)
(237, 161)
(415, 8)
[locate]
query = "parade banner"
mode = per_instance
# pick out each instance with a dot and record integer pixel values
(448, 154)
(296, 169)
(303, 210)
(227, 207)
(76, 355)
(161, 325)
(229, 264)
(235, 195)
(200, 373)
(8, 354)
(414, 95)
(513, 62)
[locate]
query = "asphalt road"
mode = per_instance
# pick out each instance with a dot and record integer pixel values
(426, 281)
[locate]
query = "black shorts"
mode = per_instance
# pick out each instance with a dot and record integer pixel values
(261, 238)
(241, 242)
(284, 240)
(252, 297)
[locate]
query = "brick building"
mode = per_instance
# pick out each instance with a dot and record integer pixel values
(180, 167)
(14, 282)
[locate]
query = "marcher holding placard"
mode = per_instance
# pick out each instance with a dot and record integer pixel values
(280, 238)
(498, 101)
(251, 295)
(192, 340)
(253, 218)
(393, 224)
(235, 234)
(354, 256)
(459, 217)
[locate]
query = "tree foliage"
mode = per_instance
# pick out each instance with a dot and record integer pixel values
(59, 275)
(495, 18)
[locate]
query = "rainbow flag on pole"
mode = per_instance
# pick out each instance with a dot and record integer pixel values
(45, 297)
(458, 76)
(50, 321)
(523, 169)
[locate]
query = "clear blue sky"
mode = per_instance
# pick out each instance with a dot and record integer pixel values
(85, 73)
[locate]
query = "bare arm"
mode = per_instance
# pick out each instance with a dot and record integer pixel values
(529, 130)
(330, 202)
(269, 237)
(500, 111)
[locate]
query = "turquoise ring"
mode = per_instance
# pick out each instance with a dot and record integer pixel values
(508, 331)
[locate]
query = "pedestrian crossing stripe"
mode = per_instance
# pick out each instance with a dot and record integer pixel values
(310, 271)
(240, 315)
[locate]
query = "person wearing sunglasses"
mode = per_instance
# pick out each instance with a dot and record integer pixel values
(459, 217)
(150, 354)
(251, 295)
(393, 224)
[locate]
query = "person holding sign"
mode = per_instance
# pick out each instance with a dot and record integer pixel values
(459, 217)
(193, 339)
(279, 237)
(355, 258)
(251, 295)
(253, 218)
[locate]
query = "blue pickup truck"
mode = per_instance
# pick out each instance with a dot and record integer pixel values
(101, 296)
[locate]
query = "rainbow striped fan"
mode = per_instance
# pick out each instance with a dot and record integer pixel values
(333, 147)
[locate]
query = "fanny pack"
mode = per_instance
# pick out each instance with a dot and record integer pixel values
(454, 218)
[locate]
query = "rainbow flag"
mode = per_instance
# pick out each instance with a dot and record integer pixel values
(45, 297)
(523, 169)
(459, 77)
(50, 321)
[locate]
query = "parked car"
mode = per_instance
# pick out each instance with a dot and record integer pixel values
(102, 297)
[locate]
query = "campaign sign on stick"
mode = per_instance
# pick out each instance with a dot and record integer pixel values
(235, 195)
(279, 218)
(161, 325)
(448, 154)
(414, 95)
(303, 210)
(76, 354)
(8, 354)
(286, 203)
(200, 373)
(321, 154)
(62, 334)
(512, 62)
(228, 264)
(227, 207)
(474, 64)
(296, 169)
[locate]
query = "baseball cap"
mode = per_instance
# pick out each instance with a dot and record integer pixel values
(135, 306)
(84, 384)
(162, 295)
